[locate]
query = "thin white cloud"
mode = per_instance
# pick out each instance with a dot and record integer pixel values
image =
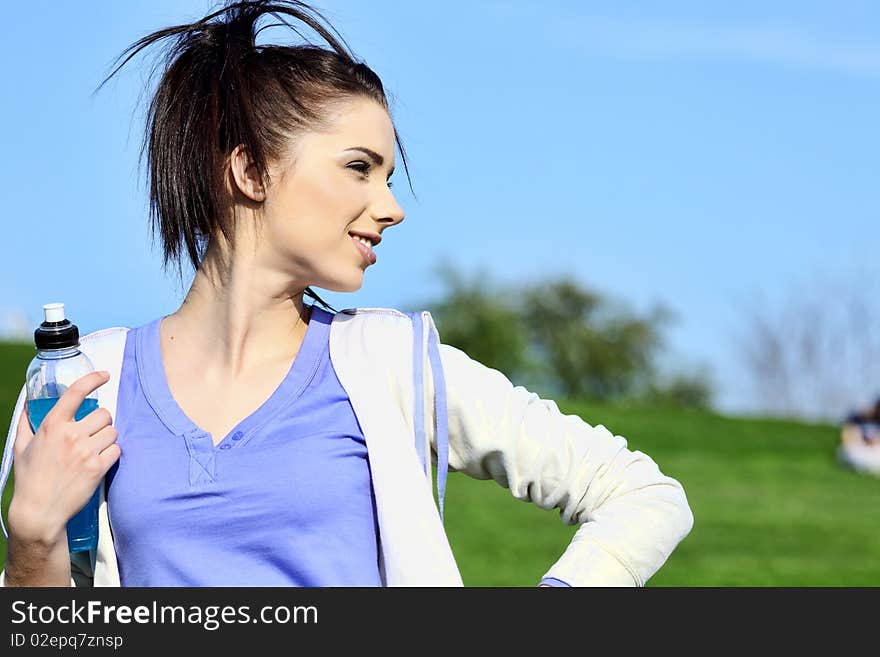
(760, 44)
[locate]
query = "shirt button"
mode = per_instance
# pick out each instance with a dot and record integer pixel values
(237, 435)
(225, 446)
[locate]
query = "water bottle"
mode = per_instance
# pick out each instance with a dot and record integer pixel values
(59, 363)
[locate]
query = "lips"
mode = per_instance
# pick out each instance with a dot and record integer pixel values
(365, 251)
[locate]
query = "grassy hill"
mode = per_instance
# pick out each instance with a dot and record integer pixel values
(771, 506)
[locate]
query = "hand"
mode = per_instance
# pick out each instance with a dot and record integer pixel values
(58, 469)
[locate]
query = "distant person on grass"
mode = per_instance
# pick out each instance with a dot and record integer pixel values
(260, 441)
(860, 440)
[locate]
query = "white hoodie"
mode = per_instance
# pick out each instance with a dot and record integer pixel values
(631, 516)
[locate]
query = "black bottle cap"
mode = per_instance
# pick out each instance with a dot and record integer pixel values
(56, 334)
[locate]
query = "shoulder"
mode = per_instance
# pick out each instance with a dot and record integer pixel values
(377, 337)
(373, 315)
(381, 324)
(103, 337)
(104, 347)
(104, 334)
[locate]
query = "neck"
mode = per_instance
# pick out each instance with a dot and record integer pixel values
(238, 323)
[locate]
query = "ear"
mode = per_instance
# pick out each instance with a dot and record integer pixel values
(244, 174)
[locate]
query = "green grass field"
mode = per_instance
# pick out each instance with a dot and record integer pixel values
(771, 506)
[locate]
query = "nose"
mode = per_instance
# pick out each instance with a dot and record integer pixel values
(388, 210)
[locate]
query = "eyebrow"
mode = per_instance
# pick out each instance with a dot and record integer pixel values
(378, 159)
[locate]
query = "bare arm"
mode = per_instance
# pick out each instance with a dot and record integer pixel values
(34, 560)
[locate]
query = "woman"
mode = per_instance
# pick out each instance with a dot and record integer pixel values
(269, 165)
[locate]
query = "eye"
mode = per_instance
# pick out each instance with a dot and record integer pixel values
(364, 168)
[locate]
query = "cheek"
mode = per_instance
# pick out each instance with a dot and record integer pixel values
(317, 213)
(339, 194)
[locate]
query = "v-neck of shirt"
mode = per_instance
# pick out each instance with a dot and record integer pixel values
(151, 372)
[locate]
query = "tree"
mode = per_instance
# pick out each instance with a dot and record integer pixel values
(478, 317)
(560, 338)
(815, 353)
(596, 348)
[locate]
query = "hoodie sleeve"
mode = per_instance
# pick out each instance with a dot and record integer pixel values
(631, 515)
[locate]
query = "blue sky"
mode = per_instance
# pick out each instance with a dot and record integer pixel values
(697, 154)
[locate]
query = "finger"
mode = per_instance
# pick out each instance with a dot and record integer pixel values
(69, 402)
(103, 439)
(23, 434)
(95, 421)
(109, 456)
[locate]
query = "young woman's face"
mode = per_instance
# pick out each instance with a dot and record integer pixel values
(329, 190)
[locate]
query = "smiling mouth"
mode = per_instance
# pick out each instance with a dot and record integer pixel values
(365, 251)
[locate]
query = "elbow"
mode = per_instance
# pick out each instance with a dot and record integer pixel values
(687, 520)
(683, 520)
(679, 517)
(672, 512)
(667, 498)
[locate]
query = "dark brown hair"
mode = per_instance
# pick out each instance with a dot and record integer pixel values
(218, 90)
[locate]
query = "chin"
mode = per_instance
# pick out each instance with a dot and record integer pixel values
(352, 284)
(352, 288)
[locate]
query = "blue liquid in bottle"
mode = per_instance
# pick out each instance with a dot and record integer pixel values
(82, 528)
